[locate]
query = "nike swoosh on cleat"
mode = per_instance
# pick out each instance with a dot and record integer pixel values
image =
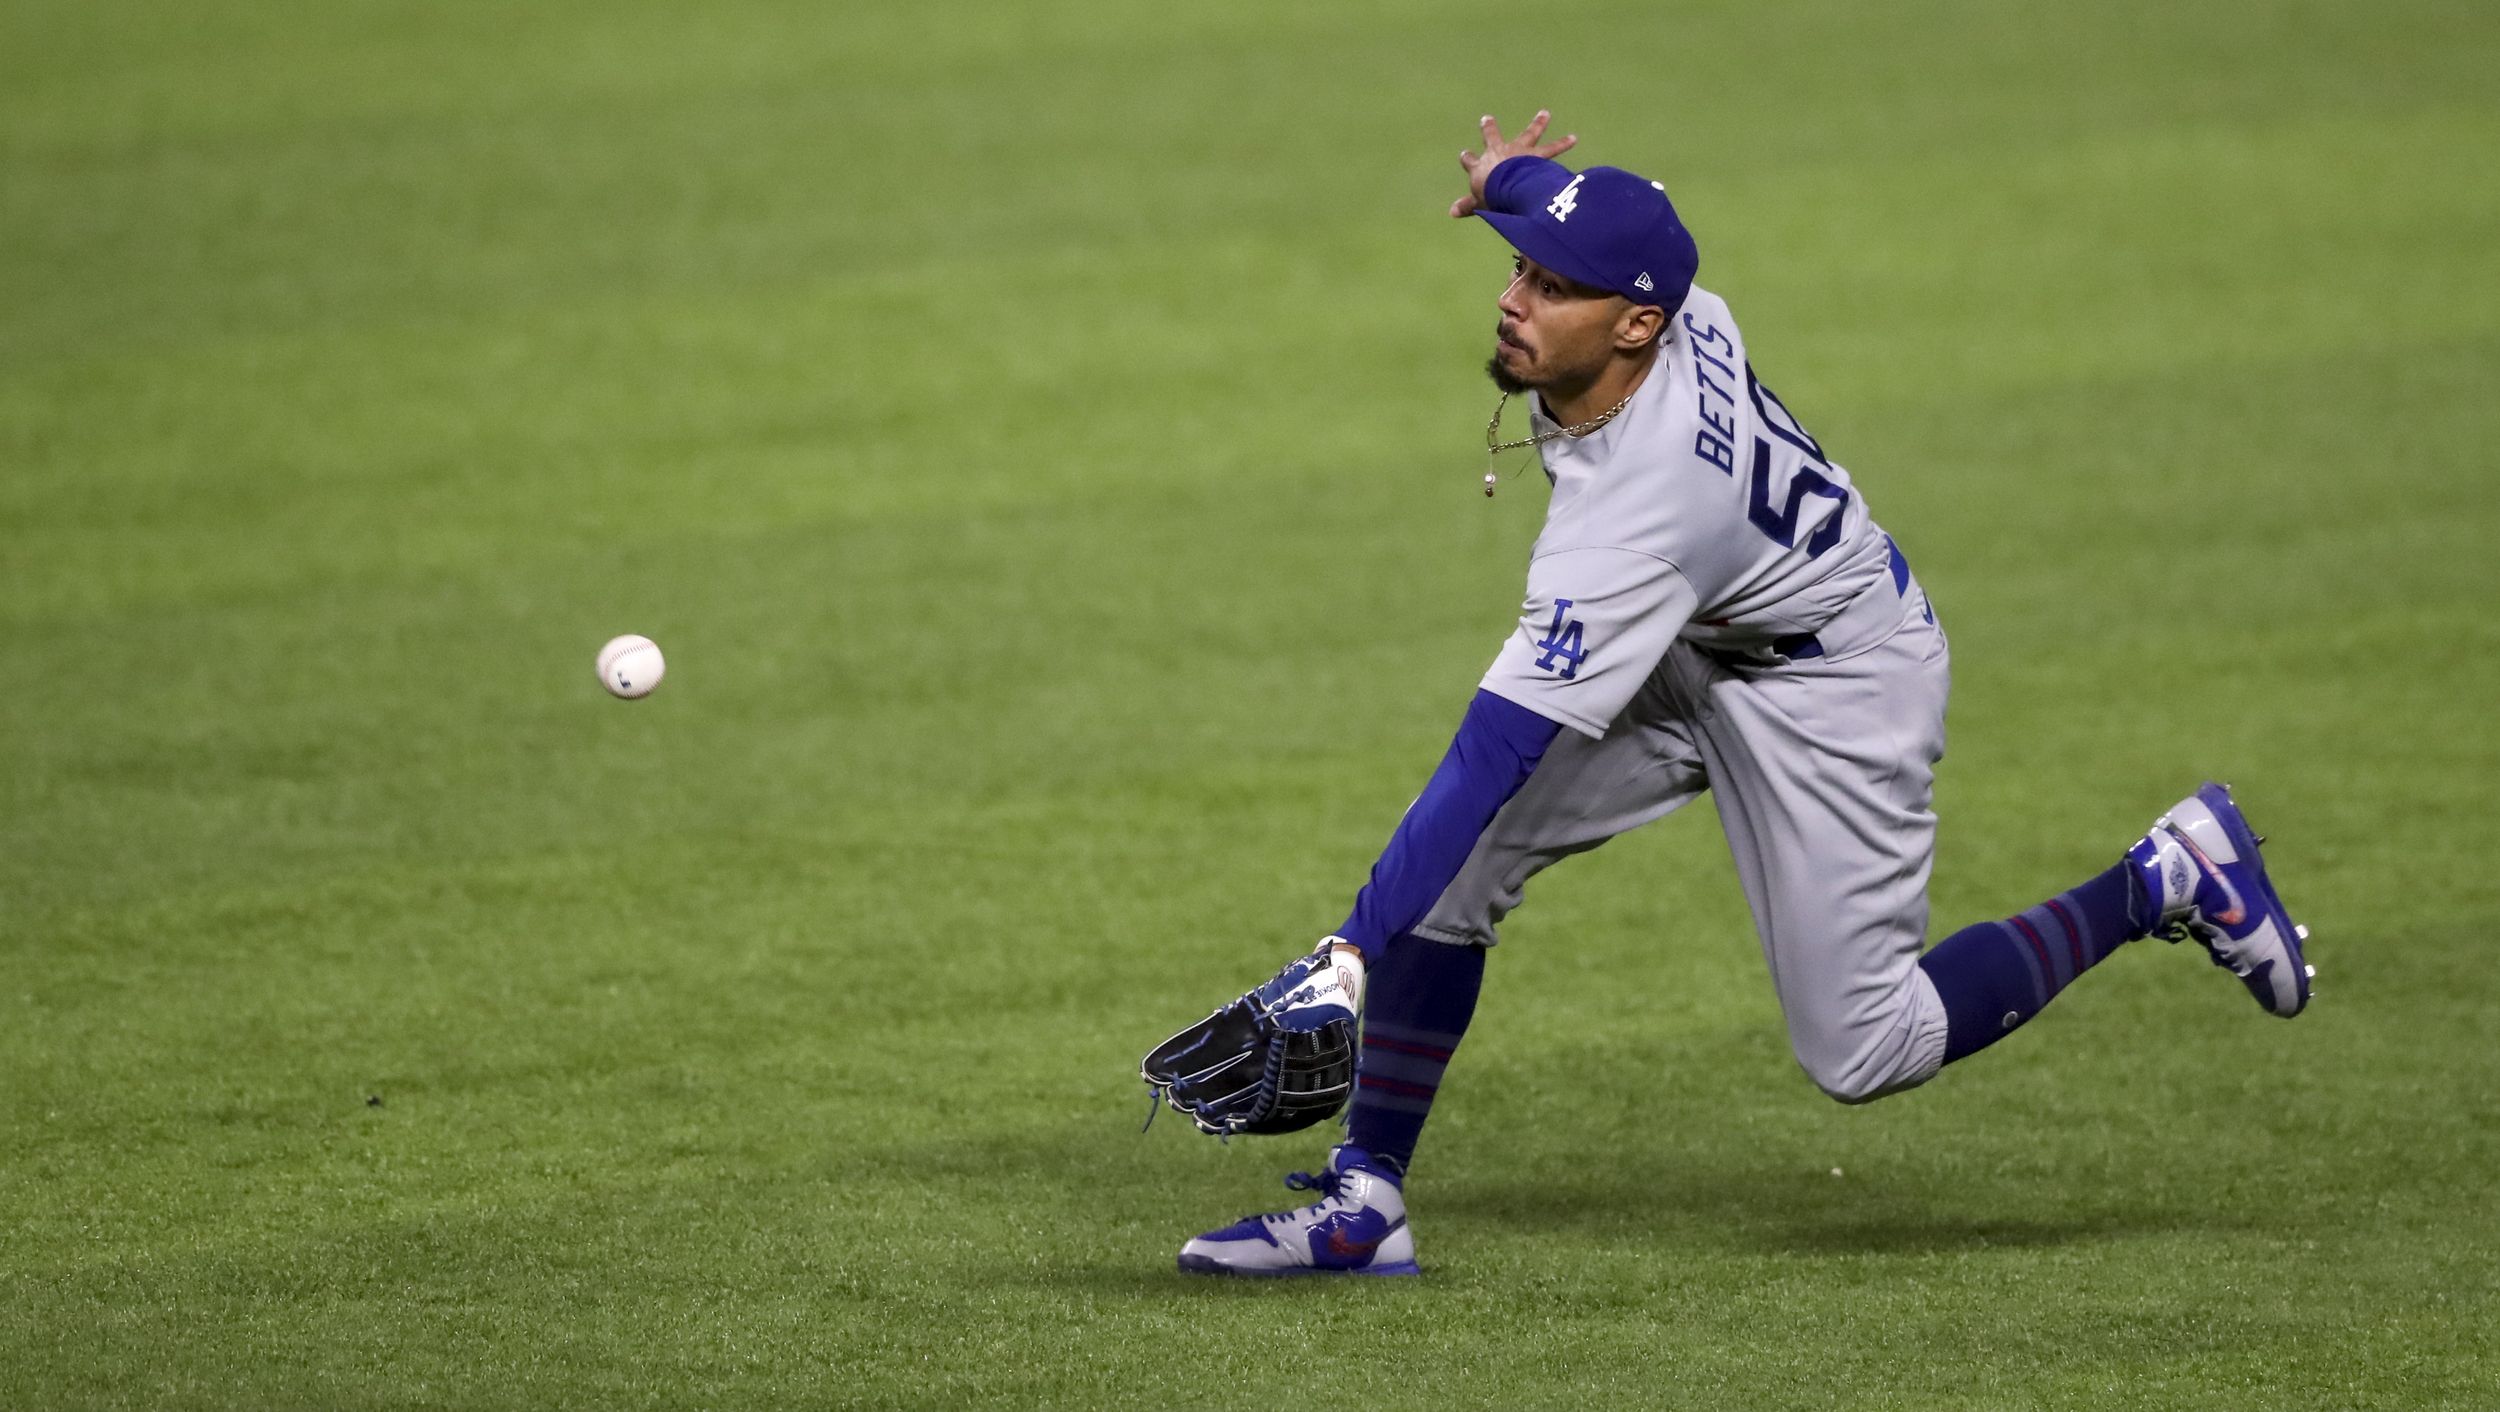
(2237, 912)
(1338, 1245)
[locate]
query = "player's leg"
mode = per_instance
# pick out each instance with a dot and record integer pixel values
(1994, 976)
(1824, 773)
(1825, 779)
(2197, 873)
(1420, 997)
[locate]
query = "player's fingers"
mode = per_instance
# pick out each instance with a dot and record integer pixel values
(1492, 131)
(1556, 149)
(1535, 128)
(1466, 160)
(1462, 208)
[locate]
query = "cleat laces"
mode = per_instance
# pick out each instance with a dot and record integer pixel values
(1326, 1184)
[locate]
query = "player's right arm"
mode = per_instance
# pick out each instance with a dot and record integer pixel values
(1499, 149)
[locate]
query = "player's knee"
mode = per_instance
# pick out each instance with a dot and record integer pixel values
(1851, 1086)
(1867, 1053)
(1866, 1075)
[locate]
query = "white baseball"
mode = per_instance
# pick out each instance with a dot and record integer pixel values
(630, 666)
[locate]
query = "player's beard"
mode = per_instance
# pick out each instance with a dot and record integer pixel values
(1511, 384)
(1503, 378)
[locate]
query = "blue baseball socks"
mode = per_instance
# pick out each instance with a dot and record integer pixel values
(1992, 977)
(1996, 975)
(1418, 1000)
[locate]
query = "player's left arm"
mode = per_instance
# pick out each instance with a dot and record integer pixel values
(1282, 1056)
(1498, 745)
(1595, 622)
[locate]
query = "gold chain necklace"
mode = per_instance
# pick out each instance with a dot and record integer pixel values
(1494, 446)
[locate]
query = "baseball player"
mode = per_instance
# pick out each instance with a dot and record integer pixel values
(1710, 606)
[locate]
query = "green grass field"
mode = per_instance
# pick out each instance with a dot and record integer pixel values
(1043, 439)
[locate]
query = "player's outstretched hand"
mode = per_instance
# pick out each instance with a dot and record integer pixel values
(1277, 1060)
(1498, 149)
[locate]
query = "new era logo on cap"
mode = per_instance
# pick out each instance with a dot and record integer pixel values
(1605, 228)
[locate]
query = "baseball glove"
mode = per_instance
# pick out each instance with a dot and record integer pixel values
(1276, 1060)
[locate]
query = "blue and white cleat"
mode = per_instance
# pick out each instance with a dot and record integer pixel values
(2200, 863)
(1358, 1227)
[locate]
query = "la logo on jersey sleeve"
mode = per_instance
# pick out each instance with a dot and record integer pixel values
(1593, 624)
(1564, 646)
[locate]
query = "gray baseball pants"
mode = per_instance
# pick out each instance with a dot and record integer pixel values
(1824, 770)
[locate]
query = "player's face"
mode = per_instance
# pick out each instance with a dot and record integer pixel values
(1554, 333)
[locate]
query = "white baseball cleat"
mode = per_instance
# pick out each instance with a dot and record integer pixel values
(2201, 868)
(1358, 1227)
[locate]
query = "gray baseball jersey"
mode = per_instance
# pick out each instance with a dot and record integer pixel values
(1710, 606)
(1701, 512)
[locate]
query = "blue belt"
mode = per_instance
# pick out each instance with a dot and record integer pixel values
(1805, 646)
(1799, 647)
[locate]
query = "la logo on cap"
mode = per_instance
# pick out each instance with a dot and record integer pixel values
(1565, 201)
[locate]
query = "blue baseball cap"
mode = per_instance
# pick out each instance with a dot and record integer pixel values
(1605, 227)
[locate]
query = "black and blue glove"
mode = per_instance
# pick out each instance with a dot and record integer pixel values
(1278, 1059)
